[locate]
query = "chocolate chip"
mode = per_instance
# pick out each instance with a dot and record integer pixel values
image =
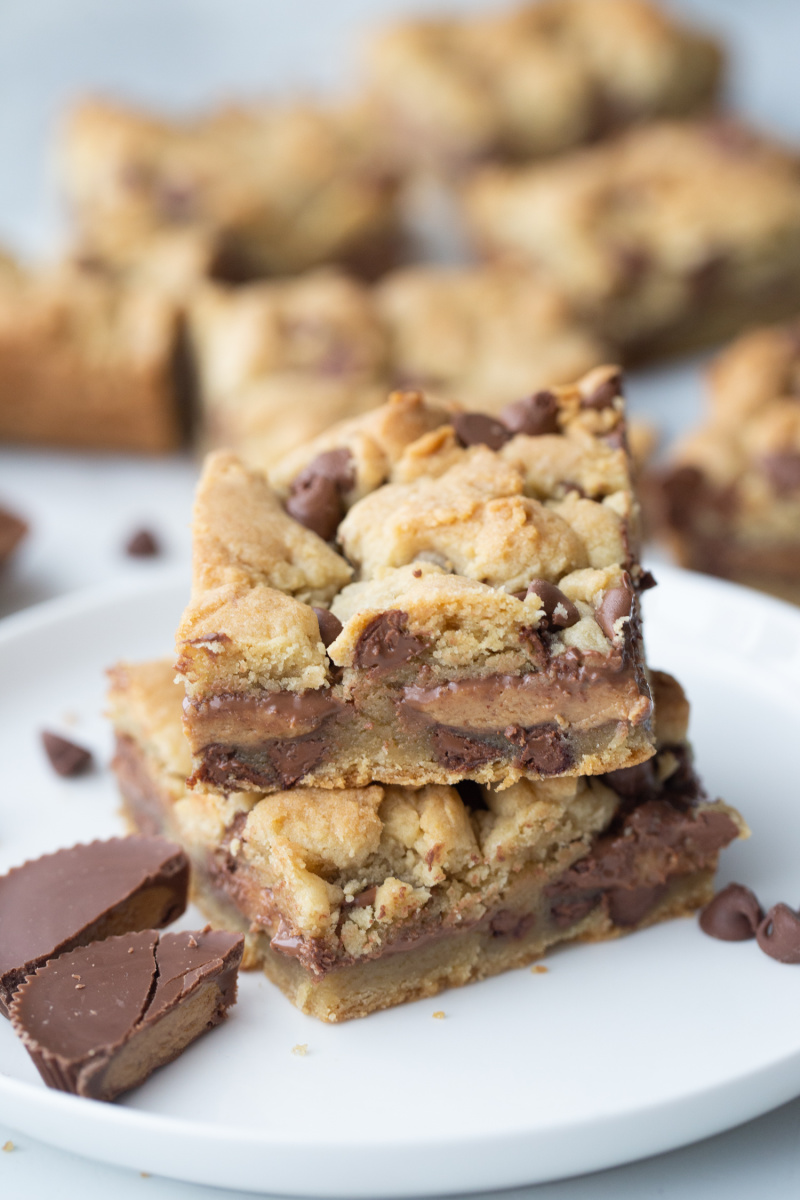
(317, 504)
(604, 394)
(294, 758)
(66, 757)
(316, 497)
(513, 925)
(628, 906)
(783, 471)
(336, 465)
(365, 898)
(779, 934)
(143, 544)
(535, 415)
(329, 626)
(386, 643)
(476, 429)
(559, 612)
(616, 604)
(571, 909)
(459, 752)
(544, 748)
(734, 914)
(646, 581)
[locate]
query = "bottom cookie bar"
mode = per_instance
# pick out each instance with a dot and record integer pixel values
(357, 899)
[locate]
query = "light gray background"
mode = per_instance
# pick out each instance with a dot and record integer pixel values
(180, 54)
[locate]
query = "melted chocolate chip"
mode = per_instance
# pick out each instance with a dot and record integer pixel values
(783, 471)
(329, 626)
(513, 925)
(779, 934)
(734, 914)
(535, 415)
(67, 758)
(558, 611)
(316, 499)
(317, 504)
(386, 643)
(628, 906)
(459, 752)
(571, 909)
(292, 759)
(476, 429)
(616, 604)
(366, 898)
(143, 544)
(544, 748)
(604, 394)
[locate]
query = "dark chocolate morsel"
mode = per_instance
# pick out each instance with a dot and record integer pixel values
(535, 415)
(476, 429)
(386, 643)
(646, 581)
(66, 757)
(783, 471)
(628, 906)
(336, 465)
(317, 504)
(559, 612)
(604, 394)
(543, 748)
(143, 544)
(779, 934)
(329, 626)
(733, 915)
(457, 751)
(616, 603)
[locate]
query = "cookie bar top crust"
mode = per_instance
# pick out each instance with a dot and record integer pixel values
(479, 617)
(537, 79)
(632, 231)
(330, 880)
(277, 188)
(729, 500)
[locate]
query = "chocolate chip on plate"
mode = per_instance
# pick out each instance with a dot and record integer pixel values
(779, 934)
(733, 915)
(143, 544)
(66, 757)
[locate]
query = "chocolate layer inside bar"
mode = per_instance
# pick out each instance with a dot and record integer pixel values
(543, 722)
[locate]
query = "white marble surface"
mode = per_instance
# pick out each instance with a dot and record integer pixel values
(178, 54)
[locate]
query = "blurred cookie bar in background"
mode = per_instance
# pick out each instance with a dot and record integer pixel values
(729, 501)
(535, 80)
(670, 237)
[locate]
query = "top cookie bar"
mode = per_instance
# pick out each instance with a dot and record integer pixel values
(536, 80)
(272, 189)
(422, 595)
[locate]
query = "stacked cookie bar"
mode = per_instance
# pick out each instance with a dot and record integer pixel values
(728, 503)
(413, 707)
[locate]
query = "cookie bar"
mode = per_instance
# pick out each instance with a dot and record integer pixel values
(140, 1000)
(728, 503)
(422, 595)
(536, 80)
(488, 335)
(357, 899)
(275, 189)
(89, 359)
(279, 361)
(632, 231)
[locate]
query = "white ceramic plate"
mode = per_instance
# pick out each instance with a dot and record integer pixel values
(620, 1051)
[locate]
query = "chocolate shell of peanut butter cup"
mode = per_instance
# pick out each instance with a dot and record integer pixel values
(82, 894)
(100, 1019)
